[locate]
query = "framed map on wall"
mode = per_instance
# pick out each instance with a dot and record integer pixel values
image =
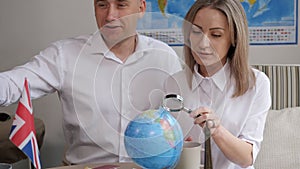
(271, 22)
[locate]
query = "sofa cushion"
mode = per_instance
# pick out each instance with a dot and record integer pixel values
(281, 145)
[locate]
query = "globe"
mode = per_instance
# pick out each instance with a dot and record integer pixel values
(154, 139)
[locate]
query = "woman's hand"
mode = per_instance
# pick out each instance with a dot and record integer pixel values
(205, 117)
(235, 149)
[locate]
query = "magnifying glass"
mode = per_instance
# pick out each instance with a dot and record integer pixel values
(175, 103)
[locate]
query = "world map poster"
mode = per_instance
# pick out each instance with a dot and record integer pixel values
(271, 22)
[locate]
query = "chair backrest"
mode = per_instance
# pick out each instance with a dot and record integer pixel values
(9, 153)
(285, 84)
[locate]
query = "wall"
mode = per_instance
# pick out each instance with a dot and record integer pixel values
(26, 27)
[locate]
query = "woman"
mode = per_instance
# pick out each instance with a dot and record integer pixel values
(219, 85)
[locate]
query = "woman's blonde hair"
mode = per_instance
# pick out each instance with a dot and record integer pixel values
(238, 52)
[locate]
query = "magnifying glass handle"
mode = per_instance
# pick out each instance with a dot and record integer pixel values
(189, 111)
(207, 157)
(197, 116)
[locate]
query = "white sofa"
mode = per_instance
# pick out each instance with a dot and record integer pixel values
(280, 148)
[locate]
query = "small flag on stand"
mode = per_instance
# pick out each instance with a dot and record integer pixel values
(22, 132)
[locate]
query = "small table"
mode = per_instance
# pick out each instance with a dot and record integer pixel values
(101, 166)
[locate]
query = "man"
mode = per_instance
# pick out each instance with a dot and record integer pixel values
(117, 22)
(103, 80)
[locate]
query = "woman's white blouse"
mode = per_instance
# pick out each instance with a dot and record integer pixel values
(243, 116)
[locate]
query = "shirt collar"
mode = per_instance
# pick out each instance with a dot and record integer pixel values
(141, 45)
(96, 45)
(220, 78)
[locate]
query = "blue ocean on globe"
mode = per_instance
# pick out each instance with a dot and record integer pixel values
(154, 139)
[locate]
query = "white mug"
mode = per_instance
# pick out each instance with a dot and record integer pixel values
(190, 156)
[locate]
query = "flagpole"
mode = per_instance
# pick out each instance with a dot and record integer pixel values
(29, 164)
(23, 133)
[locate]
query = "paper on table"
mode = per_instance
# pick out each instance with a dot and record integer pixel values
(107, 167)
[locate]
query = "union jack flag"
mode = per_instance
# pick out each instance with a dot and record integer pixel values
(22, 132)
